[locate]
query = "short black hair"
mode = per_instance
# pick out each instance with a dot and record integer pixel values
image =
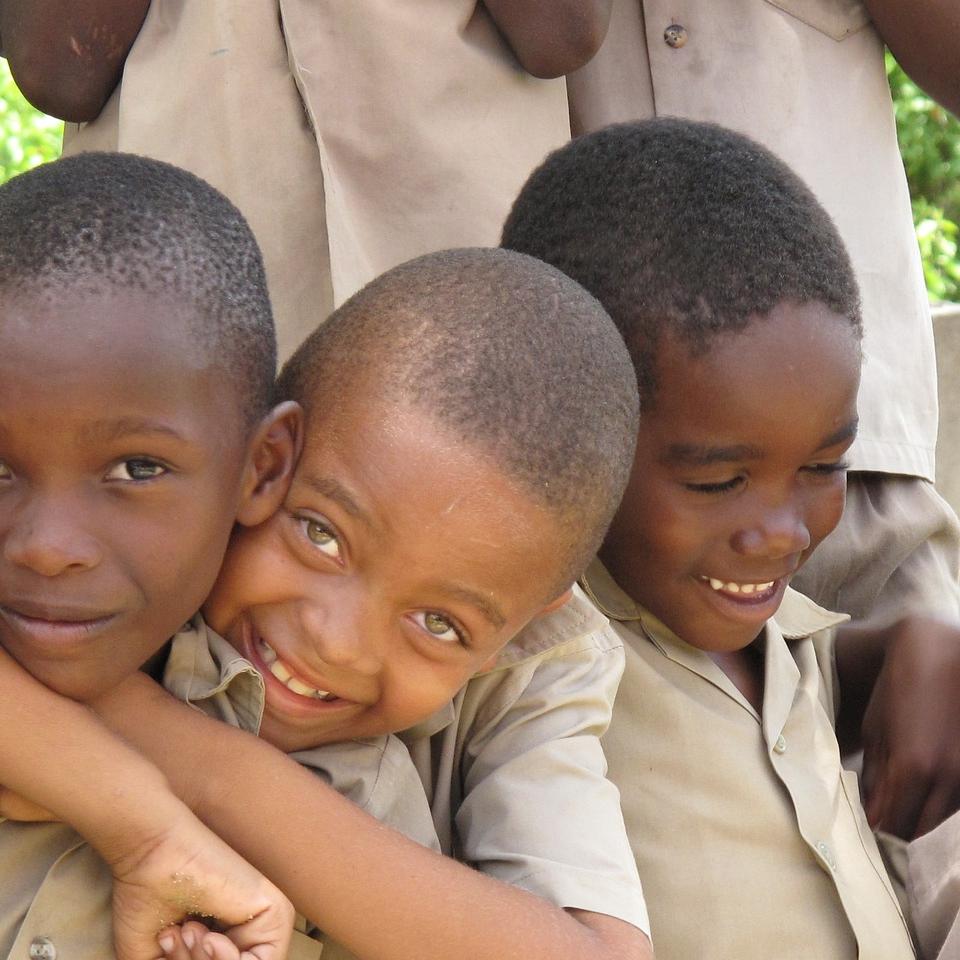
(101, 221)
(684, 228)
(509, 354)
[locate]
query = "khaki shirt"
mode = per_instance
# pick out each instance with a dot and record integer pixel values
(512, 771)
(749, 835)
(353, 136)
(806, 78)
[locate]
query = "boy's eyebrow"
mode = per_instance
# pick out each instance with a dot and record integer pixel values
(484, 605)
(115, 429)
(845, 432)
(697, 455)
(336, 491)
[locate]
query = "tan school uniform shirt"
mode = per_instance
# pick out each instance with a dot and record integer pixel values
(748, 834)
(509, 777)
(353, 136)
(806, 78)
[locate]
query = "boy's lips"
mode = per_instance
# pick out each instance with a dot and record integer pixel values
(752, 601)
(284, 674)
(48, 624)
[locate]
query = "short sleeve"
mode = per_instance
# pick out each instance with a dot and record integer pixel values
(537, 810)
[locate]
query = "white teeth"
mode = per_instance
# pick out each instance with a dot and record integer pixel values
(267, 652)
(280, 670)
(298, 687)
(745, 588)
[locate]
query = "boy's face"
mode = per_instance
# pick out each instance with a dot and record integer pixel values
(121, 463)
(738, 475)
(400, 563)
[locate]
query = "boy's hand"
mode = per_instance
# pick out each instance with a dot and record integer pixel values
(911, 729)
(13, 806)
(188, 871)
(194, 941)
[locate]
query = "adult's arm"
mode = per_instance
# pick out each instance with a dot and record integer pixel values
(370, 888)
(552, 37)
(67, 55)
(924, 36)
(898, 701)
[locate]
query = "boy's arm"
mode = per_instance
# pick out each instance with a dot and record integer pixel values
(552, 37)
(55, 752)
(381, 895)
(924, 36)
(67, 55)
(898, 701)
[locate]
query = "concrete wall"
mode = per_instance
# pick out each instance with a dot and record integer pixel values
(946, 331)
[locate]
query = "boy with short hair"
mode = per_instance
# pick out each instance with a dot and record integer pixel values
(461, 461)
(135, 430)
(738, 304)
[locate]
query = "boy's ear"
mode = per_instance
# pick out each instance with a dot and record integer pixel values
(271, 457)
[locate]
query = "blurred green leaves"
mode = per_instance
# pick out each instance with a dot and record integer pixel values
(930, 145)
(27, 137)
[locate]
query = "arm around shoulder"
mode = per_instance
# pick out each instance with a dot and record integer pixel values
(924, 36)
(67, 55)
(552, 37)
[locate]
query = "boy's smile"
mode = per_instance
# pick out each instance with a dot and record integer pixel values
(738, 474)
(399, 565)
(120, 474)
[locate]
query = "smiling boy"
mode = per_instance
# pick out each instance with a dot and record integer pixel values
(135, 429)
(461, 459)
(739, 306)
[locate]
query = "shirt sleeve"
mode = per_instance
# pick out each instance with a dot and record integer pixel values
(537, 810)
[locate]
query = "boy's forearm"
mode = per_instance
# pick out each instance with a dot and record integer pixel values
(924, 36)
(552, 37)
(67, 55)
(361, 882)
(58, 754)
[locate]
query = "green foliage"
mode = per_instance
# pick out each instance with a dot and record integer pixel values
(27, 136)
(930, 144)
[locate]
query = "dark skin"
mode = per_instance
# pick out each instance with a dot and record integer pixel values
(67, 55)
(924, 37)
(899, 704)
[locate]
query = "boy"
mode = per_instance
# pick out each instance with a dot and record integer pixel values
(461, 461)
(135, 430)
(740, 309)
(390, 129)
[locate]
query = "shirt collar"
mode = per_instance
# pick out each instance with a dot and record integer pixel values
(202, 666)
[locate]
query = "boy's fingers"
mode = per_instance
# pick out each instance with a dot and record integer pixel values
(171, 942)
(216, 946)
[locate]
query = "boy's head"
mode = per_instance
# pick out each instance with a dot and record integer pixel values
(470, 422)
(739, 307)
(136, 364)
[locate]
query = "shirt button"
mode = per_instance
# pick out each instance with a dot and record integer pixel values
(42, 948)
(675, 36)
(824, 850)
(781, 745)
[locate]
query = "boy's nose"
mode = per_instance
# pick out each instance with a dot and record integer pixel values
(777, 534)
(46, 539)
(337, 636)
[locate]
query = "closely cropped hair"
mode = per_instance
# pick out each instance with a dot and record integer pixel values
(513, 357)
(681, 227)
(102, 221)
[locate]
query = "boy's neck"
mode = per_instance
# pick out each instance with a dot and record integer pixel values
(745, 670)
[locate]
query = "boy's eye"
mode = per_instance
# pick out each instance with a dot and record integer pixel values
(5, 472)
(438, 626)
(136, 469)
(721, 487)
(828, 469)
(322, 537)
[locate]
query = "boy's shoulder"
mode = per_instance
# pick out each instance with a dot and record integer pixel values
(573, 627)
